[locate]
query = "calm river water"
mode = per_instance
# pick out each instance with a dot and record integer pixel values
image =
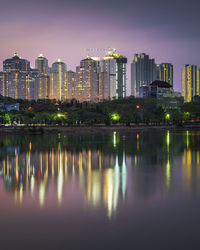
(109, 190)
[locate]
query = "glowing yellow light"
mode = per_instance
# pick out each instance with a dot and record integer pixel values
(42, 193)
(168, 173)
(186, 115)
(115, 117)
(168, 140)
(167, 116)
(108, 190)
(187, 138)
(32, 184)
(21, 193)
(60, 180)
(114, 139)
(61, 115)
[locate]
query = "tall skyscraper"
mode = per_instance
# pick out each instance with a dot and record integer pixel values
(41, 63)
(165, 73)
(16, 80)
(104, 87)
(16, 64)
(114, 84)
(58, 81)
(190, 82)
(88, 79)
(72, 85)
(143, 72)
(41, 87)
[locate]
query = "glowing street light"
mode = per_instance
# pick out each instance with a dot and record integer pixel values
(186, 115)
(61, 115)
(115, 117)
(167, 116)
(138, 107)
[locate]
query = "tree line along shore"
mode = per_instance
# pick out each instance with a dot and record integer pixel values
(129, 111)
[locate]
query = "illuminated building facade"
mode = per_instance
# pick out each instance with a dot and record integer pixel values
(41, 87)
(190, 82)
(16, 64)
(88, 79)
(58, 81)
(72, 85)
(114, 84)
(41, 63)
(16, 79)
(42, 78)
(143, 72)
(104, 86)
(165, 73)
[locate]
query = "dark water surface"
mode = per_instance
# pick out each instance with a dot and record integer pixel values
(110, 190)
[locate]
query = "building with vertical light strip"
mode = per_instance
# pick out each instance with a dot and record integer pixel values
(42, 78)
(72, 85)
(190, 82)
(114, 84)
(42, 87)
(165, 73)
(16, 79)
(88, 80)
(1, 84)
(16, 64)
(41, 63)
(58, 81)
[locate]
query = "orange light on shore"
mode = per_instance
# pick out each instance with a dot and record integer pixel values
(138, 107)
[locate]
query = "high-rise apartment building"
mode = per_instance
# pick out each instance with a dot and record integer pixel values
(190, 82)
(58, 81)
(16, 79)
(143, 72)
(42, 87)
(41, 63)
(113, 75)
(16, 64)
(72, 85)
(104, 86)
(165, 73)
(87, 80)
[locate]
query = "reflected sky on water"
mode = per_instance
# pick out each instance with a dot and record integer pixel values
(109, 190)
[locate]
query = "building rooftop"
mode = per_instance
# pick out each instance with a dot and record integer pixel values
(160, 84)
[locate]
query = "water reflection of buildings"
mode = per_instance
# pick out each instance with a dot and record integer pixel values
(100, 177)
(171, 164)
(190, 162)
(160, 168)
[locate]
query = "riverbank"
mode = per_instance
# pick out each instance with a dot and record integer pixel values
(90, 129)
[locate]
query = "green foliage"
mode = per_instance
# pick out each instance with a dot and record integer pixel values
(127, 111)
(191, 110)
(7, 118)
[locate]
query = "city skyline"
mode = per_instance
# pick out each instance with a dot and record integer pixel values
(95, 79)
(94, 53)
(65, 28)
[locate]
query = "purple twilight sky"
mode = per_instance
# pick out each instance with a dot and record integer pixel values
(167, 30)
